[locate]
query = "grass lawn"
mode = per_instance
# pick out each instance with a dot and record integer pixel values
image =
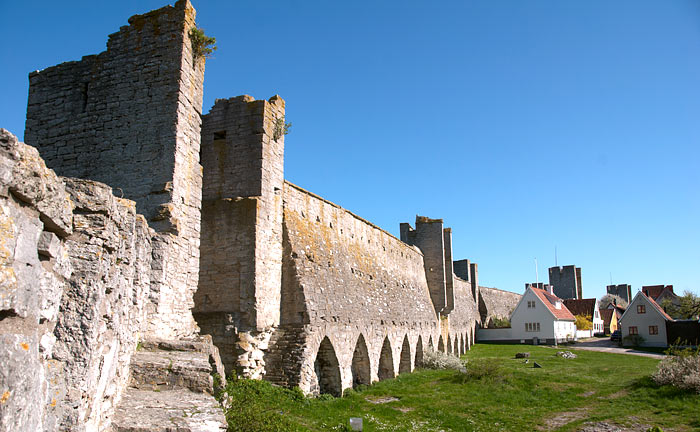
(562, 395)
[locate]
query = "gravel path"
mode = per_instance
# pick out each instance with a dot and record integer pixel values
(605, 345)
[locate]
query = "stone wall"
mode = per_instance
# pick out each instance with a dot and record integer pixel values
(496, 303)
(75, 265)
(238, 300)
(355, 302)
(130, 117)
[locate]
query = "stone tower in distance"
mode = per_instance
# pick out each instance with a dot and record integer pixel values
(566, 282)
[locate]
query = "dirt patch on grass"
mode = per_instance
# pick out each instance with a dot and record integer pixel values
(403, 409)
(608, 426)
(563, 418)
(381, 399)
(618, 394)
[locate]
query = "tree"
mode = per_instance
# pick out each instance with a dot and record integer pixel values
(689, 307)
(608, 298)
(583, 323)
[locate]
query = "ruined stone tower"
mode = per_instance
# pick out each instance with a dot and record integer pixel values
(130, 117)
(238, 300)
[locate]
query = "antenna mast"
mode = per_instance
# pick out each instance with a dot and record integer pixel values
(537, 275)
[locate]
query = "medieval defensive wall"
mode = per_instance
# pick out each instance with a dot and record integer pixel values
(146, 247)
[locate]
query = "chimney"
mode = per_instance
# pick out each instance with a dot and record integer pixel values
(550, 289)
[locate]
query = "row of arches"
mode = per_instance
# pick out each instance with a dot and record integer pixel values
(328, 371)
(457, 344)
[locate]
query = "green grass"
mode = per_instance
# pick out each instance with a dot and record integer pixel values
(511, 396)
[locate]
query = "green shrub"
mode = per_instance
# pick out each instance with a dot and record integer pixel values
(499, 323)
(483, 368)
(633, 340)
(202, 45)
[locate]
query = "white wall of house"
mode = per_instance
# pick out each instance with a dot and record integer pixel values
(598, 323)
(531, 311)
(643, 321)
(485, 334)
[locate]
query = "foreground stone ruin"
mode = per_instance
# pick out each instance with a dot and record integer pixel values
(146, 247)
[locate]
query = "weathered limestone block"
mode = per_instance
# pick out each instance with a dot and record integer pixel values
(166, 411)
(103, 310)
(171, 388)
(22, 383)
(252, 347)
(25, 174)
(30, 286)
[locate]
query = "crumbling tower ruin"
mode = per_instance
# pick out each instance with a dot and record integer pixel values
(238, 301)
(130, 117)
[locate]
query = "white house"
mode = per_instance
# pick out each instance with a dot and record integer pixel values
(539, 317)
(589, 309)
(644, 317)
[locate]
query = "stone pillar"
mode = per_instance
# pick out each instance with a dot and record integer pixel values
(238, 301)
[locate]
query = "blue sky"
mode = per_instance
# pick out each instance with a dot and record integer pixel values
(524, 125)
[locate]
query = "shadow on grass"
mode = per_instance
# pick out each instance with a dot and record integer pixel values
(665, 391)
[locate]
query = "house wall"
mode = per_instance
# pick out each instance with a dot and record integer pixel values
(522, 314)
(643, 321)
(598, 323)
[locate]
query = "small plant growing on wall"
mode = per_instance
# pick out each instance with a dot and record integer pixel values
(202, 45)
(281, 128)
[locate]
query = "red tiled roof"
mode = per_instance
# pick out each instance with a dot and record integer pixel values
(550, 300)
(606, 315)
(654, 291)
(581, 307)
(659, 308)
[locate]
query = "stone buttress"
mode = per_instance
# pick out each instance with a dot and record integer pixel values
(238, 300)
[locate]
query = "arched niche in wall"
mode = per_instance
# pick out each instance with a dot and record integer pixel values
(419, 353)
(450, 348)
(327, 369)
(462, 346)
(361, 373)
(441, 345)
(431, 347)
(386, 362)
(405, 360)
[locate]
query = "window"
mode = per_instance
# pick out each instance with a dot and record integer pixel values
(653, 330)
(530, 304)
(641, 309)
(633, 330)
(532, 327)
